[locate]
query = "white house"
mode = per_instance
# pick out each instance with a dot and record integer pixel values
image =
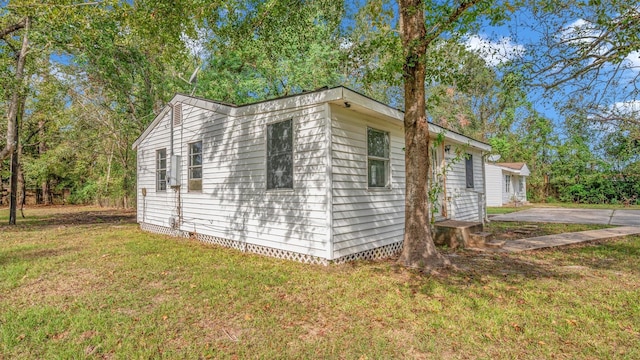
(316, 177)
(506, 183)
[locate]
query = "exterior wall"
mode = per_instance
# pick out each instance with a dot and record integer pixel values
(157, 207)
(464, 203)
(364, 218)
(495, 185)
(522, 194)
(234, 203)
(515, 192)
(507, 196)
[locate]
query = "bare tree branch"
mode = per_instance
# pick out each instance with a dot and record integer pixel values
(13, 27)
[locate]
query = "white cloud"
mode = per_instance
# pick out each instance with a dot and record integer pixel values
(631, 107)
(494, 52)
(633, 59)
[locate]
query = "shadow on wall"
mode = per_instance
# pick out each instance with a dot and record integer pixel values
(235, 176)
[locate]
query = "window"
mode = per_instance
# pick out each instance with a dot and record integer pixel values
(377, 158)
(468, 163)
(195, 166)
(507, 183)
(161, 170)
(280, 155)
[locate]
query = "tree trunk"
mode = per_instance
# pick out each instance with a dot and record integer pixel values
(42, 148)
(21, 183)
(1, 187)
(418, 250)
(12, 114)
(13, 199)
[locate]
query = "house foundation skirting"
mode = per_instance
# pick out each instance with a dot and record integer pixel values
(371, 254)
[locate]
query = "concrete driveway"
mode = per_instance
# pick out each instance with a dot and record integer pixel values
(574, 216)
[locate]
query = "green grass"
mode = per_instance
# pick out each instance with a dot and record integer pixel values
(508, 230)
(90, 284)
(510, 209)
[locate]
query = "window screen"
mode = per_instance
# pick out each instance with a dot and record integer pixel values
(280, 155)
(195, 166)
(468, 162)
(378, 158)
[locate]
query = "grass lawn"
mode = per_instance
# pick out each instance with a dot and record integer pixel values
(510, 209)
(80, 282)
(514, 230)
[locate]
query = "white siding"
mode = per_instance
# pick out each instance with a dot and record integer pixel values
(234, 203)
(514, 189)
(364, 219)
(158, 206)
(495, 185)
(463, 203)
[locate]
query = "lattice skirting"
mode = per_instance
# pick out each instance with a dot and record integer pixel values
(163, 230)
(372, 254)
(382, 252)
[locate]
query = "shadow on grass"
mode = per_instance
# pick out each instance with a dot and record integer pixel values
(72, 218)
(471, 269)
(31, 255)
(559, 264)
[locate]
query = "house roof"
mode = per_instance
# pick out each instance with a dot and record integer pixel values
(518, 168)
(339, 95)
(514, 165)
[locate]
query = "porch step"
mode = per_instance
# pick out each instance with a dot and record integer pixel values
(456, 234)
(495, 244)
(479, 239)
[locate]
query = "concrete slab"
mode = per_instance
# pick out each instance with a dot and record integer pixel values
(626, 218)
(541, 242)
(560, 215)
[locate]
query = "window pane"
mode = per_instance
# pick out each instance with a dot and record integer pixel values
(280, 155)
(196, 147)
(280, 172)
(469, 170)
(377, 143)
(195, 173)
(196, 160)
(280, 137)
(377, 173)
(161, 180)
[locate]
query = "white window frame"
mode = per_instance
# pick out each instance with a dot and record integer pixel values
(190, 167)
(507, 184)
(266, 153)
(161, 181)
(386, 160)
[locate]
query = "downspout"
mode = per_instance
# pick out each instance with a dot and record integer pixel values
(171, 122)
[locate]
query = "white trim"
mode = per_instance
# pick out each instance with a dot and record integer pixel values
(329, 180)
(389, 182)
